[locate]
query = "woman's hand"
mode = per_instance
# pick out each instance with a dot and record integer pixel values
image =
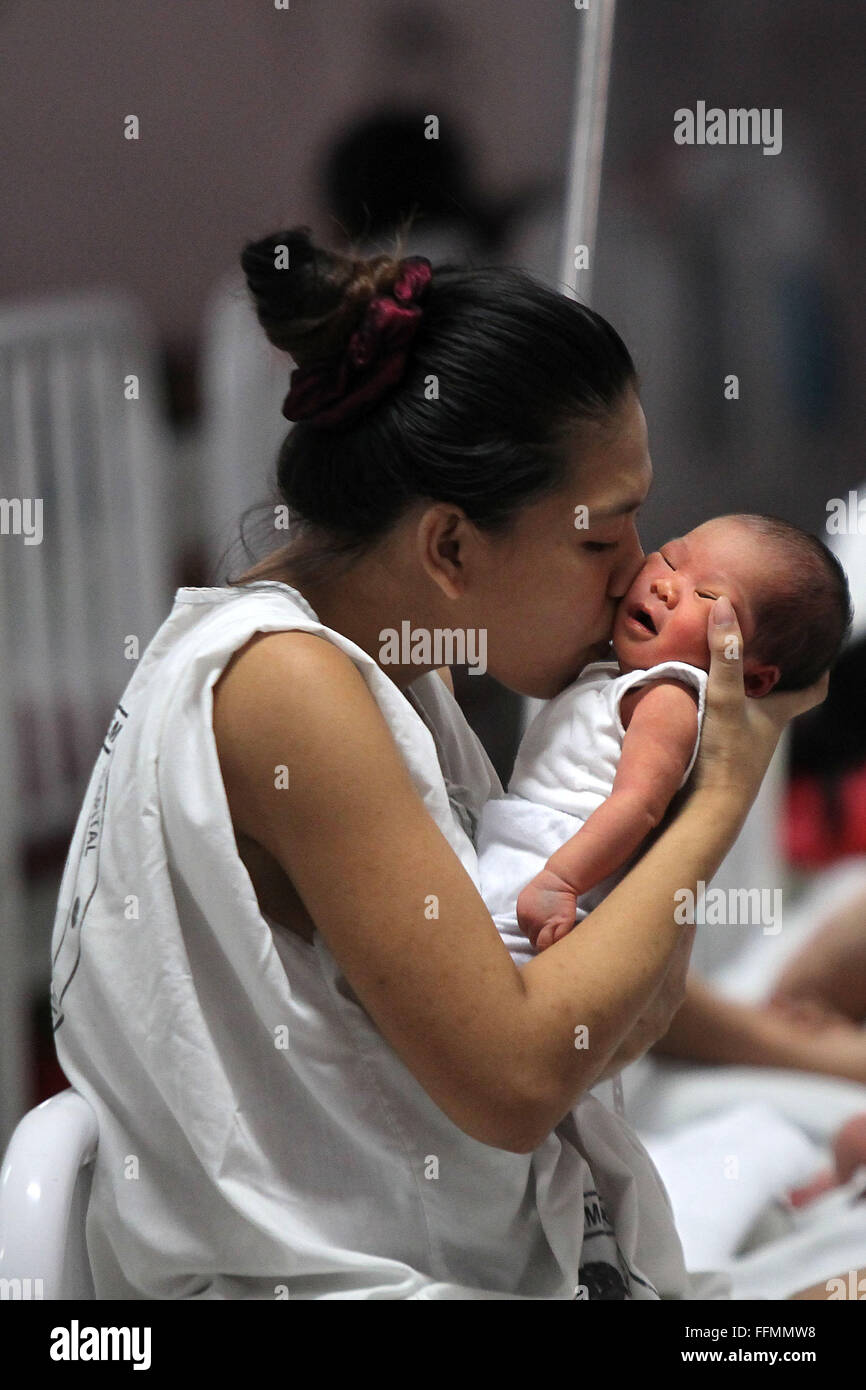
(740, 734)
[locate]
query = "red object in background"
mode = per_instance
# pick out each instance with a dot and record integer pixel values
(46, 1074)
(49, 1078)
(810, 839)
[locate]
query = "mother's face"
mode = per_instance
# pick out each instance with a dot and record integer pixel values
(554, 581)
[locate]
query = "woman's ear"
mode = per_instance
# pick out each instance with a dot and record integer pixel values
(442, 536)
(759, 680)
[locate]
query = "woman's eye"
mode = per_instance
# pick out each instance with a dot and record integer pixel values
(599, 545)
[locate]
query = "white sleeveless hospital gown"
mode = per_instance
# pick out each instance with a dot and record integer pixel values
(232, 1167)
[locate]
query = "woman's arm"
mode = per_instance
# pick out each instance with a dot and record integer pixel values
(710, 1028)
(492, 1045)
(830, 967)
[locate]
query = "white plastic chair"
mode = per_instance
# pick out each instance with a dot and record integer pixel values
(44, 1192)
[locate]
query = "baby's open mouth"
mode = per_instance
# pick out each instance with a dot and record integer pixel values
(642, 616)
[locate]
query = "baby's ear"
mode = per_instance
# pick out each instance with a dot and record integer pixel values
(759, 680)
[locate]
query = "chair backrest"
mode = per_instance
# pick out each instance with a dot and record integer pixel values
(84, 558)
(44, 1192)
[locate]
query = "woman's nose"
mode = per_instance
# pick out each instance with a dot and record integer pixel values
(630, 558)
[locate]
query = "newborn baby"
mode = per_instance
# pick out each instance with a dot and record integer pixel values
(598, 768)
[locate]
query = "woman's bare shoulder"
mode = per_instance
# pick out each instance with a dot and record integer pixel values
(267, 655)
(293, 700)
(277, 674)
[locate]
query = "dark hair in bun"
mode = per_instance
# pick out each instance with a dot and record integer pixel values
(500, 369)
(310, 308)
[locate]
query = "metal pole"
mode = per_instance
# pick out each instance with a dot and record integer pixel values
(587, 145)
(595, 39)
(581, 220)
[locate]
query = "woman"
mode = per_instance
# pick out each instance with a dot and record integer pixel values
(274, 977)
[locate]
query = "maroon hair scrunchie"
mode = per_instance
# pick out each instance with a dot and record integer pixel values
(342, 388)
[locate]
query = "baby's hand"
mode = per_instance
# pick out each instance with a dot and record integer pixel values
(546, 909)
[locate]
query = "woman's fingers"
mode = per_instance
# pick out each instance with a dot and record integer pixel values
(725, 687)
(725, 758)
(726, 648)
(740, 734)
(787, 704)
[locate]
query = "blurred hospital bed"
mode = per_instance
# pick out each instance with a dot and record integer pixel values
(730, 1140)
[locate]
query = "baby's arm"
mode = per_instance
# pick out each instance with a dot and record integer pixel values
(661, 725)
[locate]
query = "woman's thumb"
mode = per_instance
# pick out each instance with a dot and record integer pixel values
(725, 639)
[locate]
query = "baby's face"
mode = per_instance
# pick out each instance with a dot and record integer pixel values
(675, 590)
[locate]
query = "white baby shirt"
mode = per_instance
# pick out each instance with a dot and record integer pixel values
(564, 770)
(258, 1137)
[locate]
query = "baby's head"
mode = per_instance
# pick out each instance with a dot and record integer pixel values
(789, 593)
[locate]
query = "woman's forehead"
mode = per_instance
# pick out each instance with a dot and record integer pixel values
(613, 468)
(620, 489)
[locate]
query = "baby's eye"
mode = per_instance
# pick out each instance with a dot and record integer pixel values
(600, 545)
(667, 561)
(700, 595)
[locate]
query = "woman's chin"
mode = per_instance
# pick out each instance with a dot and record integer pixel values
(602, 651)
(546, 687)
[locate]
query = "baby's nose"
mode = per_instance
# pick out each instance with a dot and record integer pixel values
(664, 589)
